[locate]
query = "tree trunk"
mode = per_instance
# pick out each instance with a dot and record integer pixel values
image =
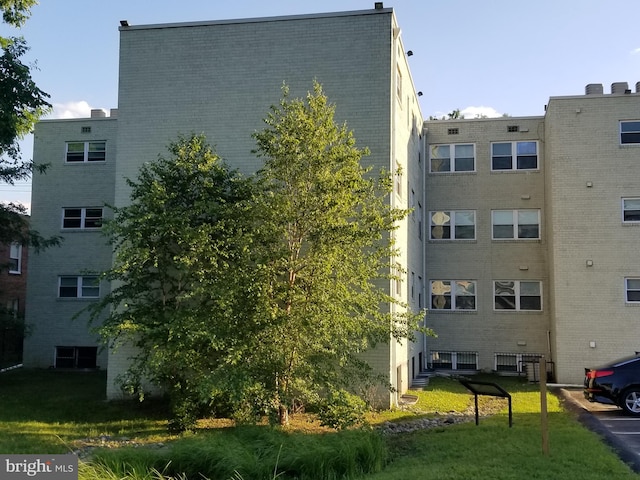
(283, 415)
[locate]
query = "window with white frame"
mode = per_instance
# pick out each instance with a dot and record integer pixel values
(453, 360)
(515, 224)
(82, 218)
(631, 210)
(630, 132)
(82, 286)
(632, 290)
(452, 158)
(78, 152)
(514, 155)
(517, 295)
(453, 294)
(15, 258)
(452, 225)
(515, 362)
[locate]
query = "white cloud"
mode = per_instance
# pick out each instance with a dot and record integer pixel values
(79, 109)
(471, 112)
(480, 112)
(635, 51)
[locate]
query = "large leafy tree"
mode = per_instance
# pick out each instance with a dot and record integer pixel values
(22, 103)
(332, 251)
(177, 280)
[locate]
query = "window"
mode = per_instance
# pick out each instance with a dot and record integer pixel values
(15, 258)
(515, 362)
(515, 224)
(86, 152)
(629, 132)
(526, 156)
(453, 295)
(630, 210)
(454, 360)
(399, 84)
(452, 225)
(517, 295)
(632, 290)
(76, 357)
(452, 158)
(79, 287)
(83, 218)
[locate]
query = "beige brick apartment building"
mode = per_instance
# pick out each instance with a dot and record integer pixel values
(533, 222)
(522, 229)
(218, 78)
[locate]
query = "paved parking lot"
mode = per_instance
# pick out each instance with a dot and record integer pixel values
(618, 430)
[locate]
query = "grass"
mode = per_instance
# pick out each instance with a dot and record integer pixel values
(55, 412)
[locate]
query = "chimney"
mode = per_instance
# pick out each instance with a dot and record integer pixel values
(619, 88)
(594, 89)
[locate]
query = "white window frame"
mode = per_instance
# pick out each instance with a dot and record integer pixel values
(454, 357)
(83, 218)
(626, 208)
(515, 224)
(632, 289)
(86, 152)
(453, 147)
(518, 295)
(514, 156)
(15, 259)
(452, 289)
(632, 131)
(80, 286)
(520, 360)
(448, 218)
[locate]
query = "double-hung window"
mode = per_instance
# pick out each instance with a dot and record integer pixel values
(79, 152)
(517, 295)
(630, 210)
(15, 258)
(514, 155)
(630, 133)
(452, 158)
(515, 224)
(452, 225)
(82, 286)
(632, 290)
(82, 218)
(453, 294)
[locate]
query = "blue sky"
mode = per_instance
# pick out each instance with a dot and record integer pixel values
(484, 57)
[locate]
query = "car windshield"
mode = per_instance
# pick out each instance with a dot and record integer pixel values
(619, 362)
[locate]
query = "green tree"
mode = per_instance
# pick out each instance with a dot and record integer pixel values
(22, 103)
(332, 249)
(176, 279)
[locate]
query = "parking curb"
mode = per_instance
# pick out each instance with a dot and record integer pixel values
(590, 421)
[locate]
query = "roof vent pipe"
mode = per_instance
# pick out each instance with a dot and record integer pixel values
(618, 88)
(594, 89)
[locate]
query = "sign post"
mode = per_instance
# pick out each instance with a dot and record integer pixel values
(543, 406)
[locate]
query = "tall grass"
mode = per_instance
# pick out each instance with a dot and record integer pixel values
(258, 453)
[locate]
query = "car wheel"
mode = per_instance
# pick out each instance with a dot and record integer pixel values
(631, 401)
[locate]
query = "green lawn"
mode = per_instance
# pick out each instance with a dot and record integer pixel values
(56, 412)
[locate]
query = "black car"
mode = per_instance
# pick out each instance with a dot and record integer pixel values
(616, 383)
